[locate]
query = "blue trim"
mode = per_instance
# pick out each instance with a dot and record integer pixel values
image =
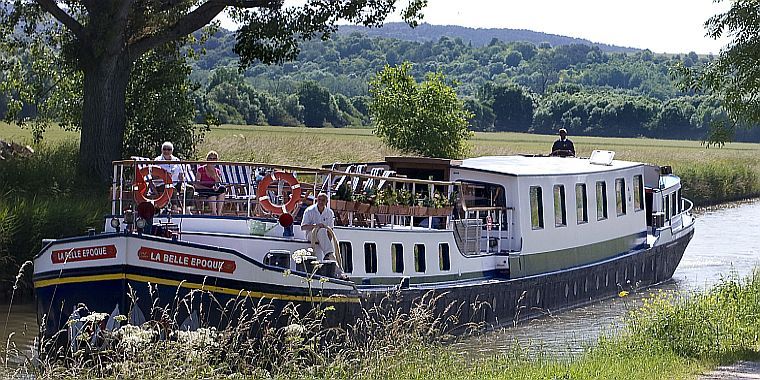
(187, 244)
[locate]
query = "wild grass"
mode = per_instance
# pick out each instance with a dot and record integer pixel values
(669, 336)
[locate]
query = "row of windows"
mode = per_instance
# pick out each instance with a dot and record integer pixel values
(581, 202)
(397, 257)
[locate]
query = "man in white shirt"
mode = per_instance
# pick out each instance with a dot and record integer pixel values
(174, 169)
(316, 219)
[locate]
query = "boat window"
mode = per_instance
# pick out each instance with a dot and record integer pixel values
(444, 262)
(620, 196)
(638, 192)
(419, 257)
(370, 258)
(536, 208)
(397, 257)
(674, 203)
(477, 194)
(680, 201)
(346, 256)
(667, 206)
(601, 200)
(581, 203)
(560, 211)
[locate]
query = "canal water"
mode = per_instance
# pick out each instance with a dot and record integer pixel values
(724, 244)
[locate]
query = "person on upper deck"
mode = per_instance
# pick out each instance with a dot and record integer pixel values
(209, 184)
(175, 169)
(563, 147)
(316, 220)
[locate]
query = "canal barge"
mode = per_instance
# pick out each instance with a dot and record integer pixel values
(519, 236)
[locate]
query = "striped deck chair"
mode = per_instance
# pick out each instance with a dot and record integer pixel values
(238, 180)
(386, 174)
(377, 172)
(356, 180)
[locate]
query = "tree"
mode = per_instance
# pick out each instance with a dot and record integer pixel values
(315, 100)
(159, 107)
(734, 76)
(426, 118)
(100, 40)
(512, 106)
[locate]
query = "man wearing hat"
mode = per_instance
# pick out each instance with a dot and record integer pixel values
(563, 147)
(316, 219)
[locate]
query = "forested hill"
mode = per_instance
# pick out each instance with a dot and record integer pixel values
(477, 36)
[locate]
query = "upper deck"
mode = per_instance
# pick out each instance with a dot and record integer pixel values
(541, 166)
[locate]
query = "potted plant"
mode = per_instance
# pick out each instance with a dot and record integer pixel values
(404, 199)
(384, 199)
(364, 201)
(341, 196)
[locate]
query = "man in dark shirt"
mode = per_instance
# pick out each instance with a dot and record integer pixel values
(563, 147)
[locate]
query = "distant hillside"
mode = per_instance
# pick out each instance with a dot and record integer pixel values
(479, 37)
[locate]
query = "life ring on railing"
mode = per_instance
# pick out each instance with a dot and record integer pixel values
(152, 172)
(266, 203)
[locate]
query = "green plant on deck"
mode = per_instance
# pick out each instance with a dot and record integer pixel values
(344, 191)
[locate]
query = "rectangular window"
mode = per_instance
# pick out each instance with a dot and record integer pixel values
(444, 262)
(680, 201)
(536, 208)
(560, 211)
(620, 196)
(581, 203)
(601, 200)
(370, 258)
(419, 258)
(638, 192)
(667, 206)
(346, 256)
(397, 257)
(674, 204)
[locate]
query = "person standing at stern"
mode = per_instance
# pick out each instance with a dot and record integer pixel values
(563, 147)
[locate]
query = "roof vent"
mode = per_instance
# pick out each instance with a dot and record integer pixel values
(602, 157)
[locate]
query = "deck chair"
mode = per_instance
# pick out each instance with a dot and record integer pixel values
(386, 174)
(377, 172)
(239, 182)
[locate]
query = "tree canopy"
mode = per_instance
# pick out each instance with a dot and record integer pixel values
(421, 118)
(734, 77)
(94, 45)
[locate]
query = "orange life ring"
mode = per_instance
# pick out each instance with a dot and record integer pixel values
(266, 203)
(141, 187)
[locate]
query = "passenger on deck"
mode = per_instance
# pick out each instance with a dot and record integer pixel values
(174, 169)
(316, 219)
(209, 184)
(563, 147)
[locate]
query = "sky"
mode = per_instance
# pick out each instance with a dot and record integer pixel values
(662, 26)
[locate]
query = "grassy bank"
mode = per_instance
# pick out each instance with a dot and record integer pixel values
(663, 338)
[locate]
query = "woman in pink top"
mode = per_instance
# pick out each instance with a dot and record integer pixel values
(208, 185)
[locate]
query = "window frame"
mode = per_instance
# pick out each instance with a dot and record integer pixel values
(538, 213)
(601, 201)
(560, 209)
(638, 193)
(444, 258)
(621, 203)
(420, 261)
(397, 257)
(581, 217)
(372, 255)
(347, 258)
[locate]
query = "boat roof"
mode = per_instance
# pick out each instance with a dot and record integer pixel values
(532, 166)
